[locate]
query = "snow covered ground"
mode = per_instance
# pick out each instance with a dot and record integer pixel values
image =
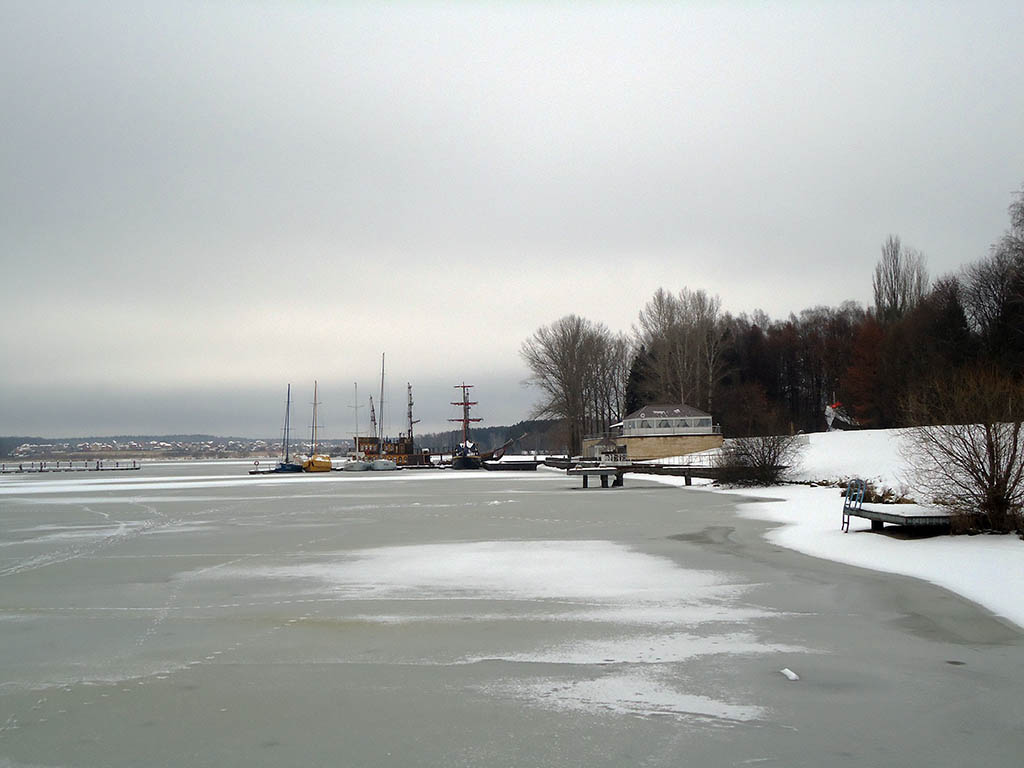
(986, 569)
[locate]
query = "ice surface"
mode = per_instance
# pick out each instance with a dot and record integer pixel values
(638, 692)
(596, 571)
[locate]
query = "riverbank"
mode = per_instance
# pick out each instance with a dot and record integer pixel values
(986, 569)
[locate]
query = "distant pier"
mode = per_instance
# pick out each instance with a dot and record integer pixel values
(40, 467)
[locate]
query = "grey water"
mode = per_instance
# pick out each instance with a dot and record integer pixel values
(188, 614)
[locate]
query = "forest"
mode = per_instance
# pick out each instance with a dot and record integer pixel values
(758, 375)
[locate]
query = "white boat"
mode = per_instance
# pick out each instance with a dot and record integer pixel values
(354, 464)
(383, 465)
(355, 461)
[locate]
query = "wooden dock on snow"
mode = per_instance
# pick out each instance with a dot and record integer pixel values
(880, 514)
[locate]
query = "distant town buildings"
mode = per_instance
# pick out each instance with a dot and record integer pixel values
(207, 448)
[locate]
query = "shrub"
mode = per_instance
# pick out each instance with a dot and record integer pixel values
(967, 449)
(763, 460)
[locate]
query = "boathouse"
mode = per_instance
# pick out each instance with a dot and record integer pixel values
(657, 431)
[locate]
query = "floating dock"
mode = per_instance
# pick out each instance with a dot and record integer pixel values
(40, 467)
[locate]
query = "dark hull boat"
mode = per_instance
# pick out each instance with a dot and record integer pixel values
(466, 455)
(468, 461)
(285, 466)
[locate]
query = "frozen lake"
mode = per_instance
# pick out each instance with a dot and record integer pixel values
(189, 614)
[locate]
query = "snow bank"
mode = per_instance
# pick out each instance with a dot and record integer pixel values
(988, 570)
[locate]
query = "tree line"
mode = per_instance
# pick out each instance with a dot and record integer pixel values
(757, 375)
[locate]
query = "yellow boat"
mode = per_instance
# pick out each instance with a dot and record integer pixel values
(317, 462)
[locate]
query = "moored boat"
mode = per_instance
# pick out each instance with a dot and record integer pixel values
(353, 464)
(317, 462)
(286, 464)
(466, 454)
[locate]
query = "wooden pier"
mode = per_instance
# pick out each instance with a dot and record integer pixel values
(880, 514)
(620, 468)
(42, 467)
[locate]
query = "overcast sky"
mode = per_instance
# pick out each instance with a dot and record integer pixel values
(201, 202)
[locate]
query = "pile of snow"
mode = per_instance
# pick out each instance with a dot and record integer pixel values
(988, 570)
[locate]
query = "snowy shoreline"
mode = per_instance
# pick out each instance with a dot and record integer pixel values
(988, 570)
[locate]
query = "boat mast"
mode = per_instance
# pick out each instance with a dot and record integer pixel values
(312, 449)
(356, 407)
(287, 418)
(373, 421)
(411, 420)
(465, 412)
(381, 404)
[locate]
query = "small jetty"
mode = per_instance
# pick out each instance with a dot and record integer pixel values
(620, 468)
(41, 467)
(894, 514)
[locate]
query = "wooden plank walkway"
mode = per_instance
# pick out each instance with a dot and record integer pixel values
(35, 468)
(619, 469)
(603, 472)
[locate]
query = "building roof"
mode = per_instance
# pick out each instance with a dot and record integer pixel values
(667, 411)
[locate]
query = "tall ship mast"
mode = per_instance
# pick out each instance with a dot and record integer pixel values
(466, 455)
(379, 448)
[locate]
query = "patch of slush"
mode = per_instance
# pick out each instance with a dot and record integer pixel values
(653, 649)
(666, 615)
(587, 571)
(647, 600)
(642, 693)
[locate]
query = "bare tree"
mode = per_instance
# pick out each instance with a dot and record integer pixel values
(685, 337)
(900, 280)
(967, 448)
(994, 294)
(581, 367)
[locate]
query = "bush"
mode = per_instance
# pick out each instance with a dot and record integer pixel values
(966, 450)
(763, 460)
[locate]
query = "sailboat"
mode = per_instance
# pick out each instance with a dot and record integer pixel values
(357, 459)
(466, 455)
(286, 465)
(317, 462)
(381, 464)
